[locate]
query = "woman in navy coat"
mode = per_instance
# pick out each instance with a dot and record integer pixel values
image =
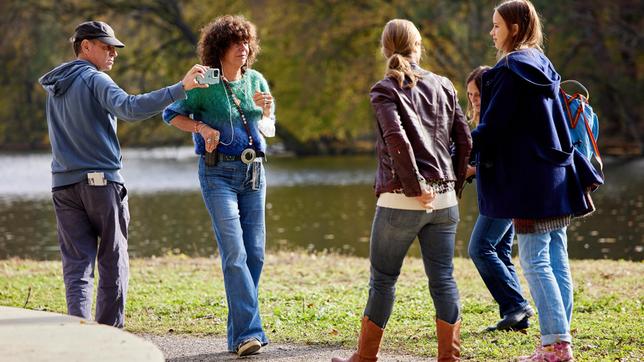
(528, 171)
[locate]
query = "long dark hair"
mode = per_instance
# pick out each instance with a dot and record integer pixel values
(477, 76)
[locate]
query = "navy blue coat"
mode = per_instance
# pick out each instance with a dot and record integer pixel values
(526, 165)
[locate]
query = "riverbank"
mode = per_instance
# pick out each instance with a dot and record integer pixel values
(317, 300)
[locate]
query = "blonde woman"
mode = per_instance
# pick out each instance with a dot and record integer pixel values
(418, 117)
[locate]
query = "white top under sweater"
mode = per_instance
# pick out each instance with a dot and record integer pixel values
(402, 202)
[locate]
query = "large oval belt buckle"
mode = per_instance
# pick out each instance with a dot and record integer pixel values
(248, 156)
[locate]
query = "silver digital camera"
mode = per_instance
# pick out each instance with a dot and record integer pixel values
(211, 77)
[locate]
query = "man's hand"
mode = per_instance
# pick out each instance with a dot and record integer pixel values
(190, 80)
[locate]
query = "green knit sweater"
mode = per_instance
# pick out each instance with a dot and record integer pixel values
(215, 107)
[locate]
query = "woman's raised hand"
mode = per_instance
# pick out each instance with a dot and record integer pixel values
(263, 100)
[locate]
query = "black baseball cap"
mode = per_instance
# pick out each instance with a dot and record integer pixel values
(96, 30)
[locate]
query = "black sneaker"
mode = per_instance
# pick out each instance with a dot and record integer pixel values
(512, 319)
(522, 326)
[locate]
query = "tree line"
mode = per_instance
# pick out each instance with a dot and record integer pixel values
(320, 58)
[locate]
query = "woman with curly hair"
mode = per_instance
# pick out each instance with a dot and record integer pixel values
(227, 120)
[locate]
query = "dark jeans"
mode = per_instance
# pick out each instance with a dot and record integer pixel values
(491, 251)
(392, 233)
(85, 214)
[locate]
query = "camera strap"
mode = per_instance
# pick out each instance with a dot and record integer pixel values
(237, 103)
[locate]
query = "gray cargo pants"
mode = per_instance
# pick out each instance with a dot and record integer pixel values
(85, 214)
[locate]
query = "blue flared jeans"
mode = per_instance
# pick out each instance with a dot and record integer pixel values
(544, 260)
(235, 195)
(392, 233)
(491, 251)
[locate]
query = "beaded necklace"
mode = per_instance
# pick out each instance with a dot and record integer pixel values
(237, 103)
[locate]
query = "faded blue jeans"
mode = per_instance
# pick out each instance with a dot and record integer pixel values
(491, 251)
(236, 208)
(392, 233)
(544, 259)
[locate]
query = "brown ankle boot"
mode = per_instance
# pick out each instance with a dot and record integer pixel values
(449, 341)
(368, 343)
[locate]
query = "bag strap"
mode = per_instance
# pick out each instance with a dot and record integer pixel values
(577, 83)
(571, 98)
(583, 101)
(568, 99)
(591, 136)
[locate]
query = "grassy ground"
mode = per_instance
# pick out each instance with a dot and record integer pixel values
(318, 299)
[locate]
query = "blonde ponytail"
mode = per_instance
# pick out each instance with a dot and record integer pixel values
(400, 69)
(398, 42)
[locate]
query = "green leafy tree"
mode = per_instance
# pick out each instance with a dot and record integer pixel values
(319, 56)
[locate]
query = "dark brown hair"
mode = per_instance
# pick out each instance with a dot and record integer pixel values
(76, 44)
(477, 76)
(218, 35)
(523, 14)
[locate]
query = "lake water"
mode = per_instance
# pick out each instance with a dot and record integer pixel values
(312, 203)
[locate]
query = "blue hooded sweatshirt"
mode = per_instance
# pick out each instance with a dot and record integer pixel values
(527, 167)
(83, 104)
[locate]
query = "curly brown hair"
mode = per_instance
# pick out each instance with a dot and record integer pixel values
(218, 35)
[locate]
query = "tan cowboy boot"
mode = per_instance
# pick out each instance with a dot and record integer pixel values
(449, 341)
(368, 343)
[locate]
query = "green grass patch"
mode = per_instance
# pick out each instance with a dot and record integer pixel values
(319, 299)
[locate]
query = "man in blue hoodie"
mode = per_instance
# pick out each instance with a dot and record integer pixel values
(90, 199)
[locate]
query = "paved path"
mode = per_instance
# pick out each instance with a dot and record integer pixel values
(186, 348)
(28, 335)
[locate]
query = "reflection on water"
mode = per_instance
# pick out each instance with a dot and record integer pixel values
(312, 203)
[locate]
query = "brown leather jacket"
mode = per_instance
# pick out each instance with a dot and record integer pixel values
(417, 127)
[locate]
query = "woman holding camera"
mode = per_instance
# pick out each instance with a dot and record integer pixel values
(417, 117)
(227, 124)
